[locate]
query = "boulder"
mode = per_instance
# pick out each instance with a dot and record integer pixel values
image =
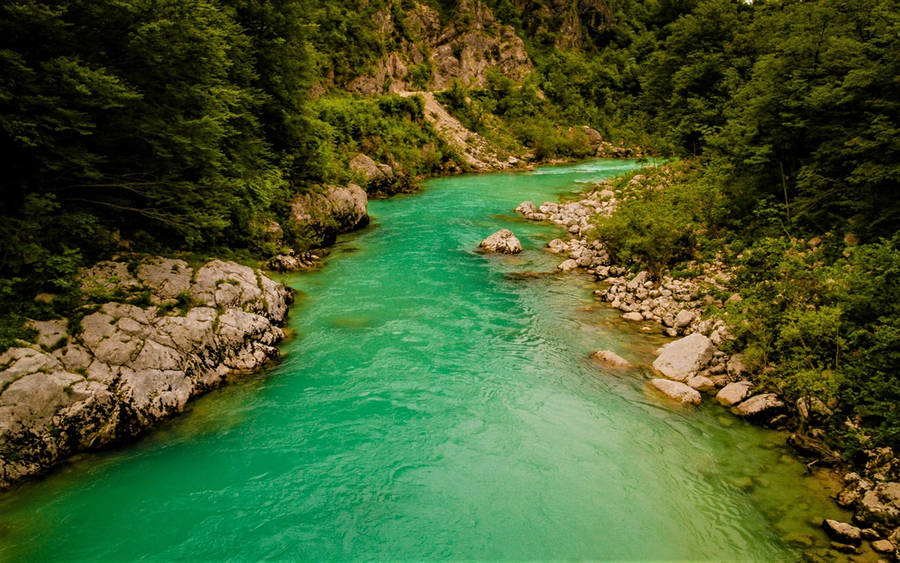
(272, 231)
(760, 407)
(813, 408)
(503, 241)
(633, 316)
(557, 246)
(854, 489)
(610, 359)
(378, 177)
(370, 171)
(733, 393)
(638, 280)
(677, 391)
(331, 210)
(842, 532)
(684, 318)
(526, 208)
(880, 505)
(700, 383)
(883, 546)
(736, 366)
(684, 357)
(285, 263)
(568, 266)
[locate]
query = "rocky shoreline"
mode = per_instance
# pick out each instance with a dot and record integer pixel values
(152, 333)
(694, 365)
(128, 364)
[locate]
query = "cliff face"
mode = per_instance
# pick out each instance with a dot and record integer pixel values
(428, 53)
(572, 22)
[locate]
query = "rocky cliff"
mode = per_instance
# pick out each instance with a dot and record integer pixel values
(125, 366)
(430, 51)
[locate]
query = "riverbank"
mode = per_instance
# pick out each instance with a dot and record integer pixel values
(697, 364)
(159, 333)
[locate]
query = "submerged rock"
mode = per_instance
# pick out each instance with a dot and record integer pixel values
(684, 357)
(611, 359)
(842, 532)
(677, 391)
(503, 241)
(810, 446)
(127, 367)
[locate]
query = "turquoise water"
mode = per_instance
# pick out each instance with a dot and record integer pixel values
(435, 403)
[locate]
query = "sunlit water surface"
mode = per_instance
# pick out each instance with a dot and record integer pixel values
(432, 405)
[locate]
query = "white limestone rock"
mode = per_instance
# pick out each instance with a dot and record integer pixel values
(683, 358)
(677, 391)
(733, 393)
(503, 242)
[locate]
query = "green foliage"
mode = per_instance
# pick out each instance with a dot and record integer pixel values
(12, 328)
(662, 214)
(420, 75)
(387, 128)
(827, 327)
(515, 117)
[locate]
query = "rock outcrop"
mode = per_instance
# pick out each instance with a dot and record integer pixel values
(379, 178)
(126, 366)
(503, 242)
(881, 504)
(464, 48)
(330, 211)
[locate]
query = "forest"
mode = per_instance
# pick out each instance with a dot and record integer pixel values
(183, 125)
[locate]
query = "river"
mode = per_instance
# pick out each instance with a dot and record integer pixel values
(435, 402)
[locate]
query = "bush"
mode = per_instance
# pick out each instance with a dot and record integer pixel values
(662, 214)
(827, 328)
